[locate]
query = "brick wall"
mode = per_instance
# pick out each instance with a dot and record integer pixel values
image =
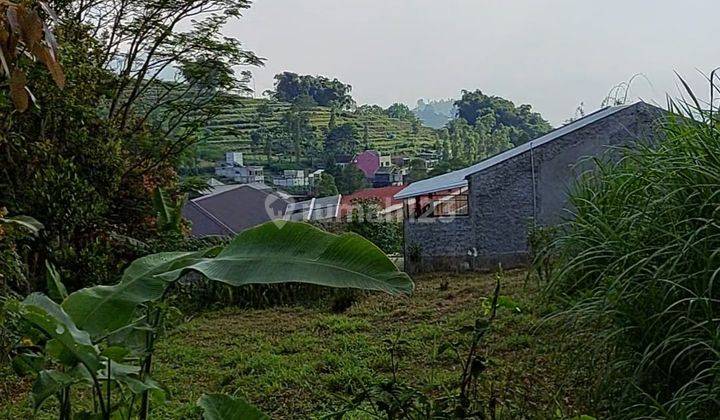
(504, 200)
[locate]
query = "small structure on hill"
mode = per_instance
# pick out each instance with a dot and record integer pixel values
(368, 162)
(233, 168)
(387, 176)
(481, 216)
(291, 178)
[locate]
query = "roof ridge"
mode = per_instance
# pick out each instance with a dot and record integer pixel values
(457, 178)
(231, 187)
(212, 217)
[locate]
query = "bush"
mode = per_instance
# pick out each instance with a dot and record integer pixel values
(639, 265)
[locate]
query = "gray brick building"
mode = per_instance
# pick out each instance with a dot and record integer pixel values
(480, 216)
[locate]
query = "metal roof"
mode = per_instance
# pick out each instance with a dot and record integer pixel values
(457, 179)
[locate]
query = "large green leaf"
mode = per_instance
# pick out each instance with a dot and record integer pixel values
(169, 212)
(291, 252)
(66, 337)
(225, 407)
(50, 382)
(299, 252)
(56, 288)
(25, 222)
(102, 309)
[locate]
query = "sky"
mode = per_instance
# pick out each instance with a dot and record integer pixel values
(551, 54)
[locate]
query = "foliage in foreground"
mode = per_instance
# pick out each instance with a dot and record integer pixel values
(102, 338)
(640, 263)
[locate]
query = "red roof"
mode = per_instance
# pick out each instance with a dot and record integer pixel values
(385, 195)
(368, 162)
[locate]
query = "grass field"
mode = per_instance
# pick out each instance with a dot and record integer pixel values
(300, 362)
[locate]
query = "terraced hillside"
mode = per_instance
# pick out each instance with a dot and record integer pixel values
(232, 131)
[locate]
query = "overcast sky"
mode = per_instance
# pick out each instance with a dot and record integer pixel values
(552, 54)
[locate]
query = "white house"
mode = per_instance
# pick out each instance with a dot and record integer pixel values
(233, 168)
(291, 178)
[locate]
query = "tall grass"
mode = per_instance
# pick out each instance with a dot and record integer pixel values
(639, 266)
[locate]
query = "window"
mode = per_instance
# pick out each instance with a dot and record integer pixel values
(451, 204)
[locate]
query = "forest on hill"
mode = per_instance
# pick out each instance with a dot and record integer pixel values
(308, 121)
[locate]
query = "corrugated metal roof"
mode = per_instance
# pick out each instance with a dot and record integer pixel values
(457, 179)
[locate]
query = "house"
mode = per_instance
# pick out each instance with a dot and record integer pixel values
(400, 161)
(291, 178)
(323, 208)
(480, 216)
(229, 209)
(368, 162)
(343, 160)
(233, 168)
(391, 209)
(431, 159)
(249, 174)
(315, 177)
(388, 175)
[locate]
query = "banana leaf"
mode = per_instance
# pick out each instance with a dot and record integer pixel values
(65, 336)
(270, 253)
(299, 252)
(225, 407)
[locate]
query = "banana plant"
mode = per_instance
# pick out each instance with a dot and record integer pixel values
(103, 337)
(26, 223)
(169, 212)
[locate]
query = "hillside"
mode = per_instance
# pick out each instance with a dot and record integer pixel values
(232, 131)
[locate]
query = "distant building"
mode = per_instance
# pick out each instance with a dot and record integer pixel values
(234, 158)
(291, 178)
(343, 160)
(233, 168)
(387, 176)
(249, 175)
(431, 159)
(368, 162)
(315, 177)
(400, 161)
(230, 209)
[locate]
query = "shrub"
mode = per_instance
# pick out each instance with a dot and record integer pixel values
(639, 265)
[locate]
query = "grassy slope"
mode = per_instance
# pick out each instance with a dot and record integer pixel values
(232, 130)
(298, 362)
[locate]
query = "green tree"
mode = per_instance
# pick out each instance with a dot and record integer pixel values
(350, 180)
(323, 91)
(343, 139)
(262, 136)
(326, 186)
(525, 124)
(86, 160)
(417, 170)
(366, 136)
(401, 112)
(332, 123)
(297, 126)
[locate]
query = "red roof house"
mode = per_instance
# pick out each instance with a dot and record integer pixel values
(391, 208)
(368, 162)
